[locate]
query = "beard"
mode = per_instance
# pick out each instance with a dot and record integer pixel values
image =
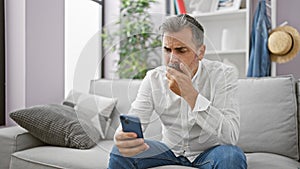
(175, 66)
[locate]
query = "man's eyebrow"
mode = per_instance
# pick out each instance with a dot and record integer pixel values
(176, 48)
(180, 48)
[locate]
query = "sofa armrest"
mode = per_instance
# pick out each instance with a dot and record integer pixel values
(14, 139)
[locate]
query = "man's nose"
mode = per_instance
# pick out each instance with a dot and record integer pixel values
(174, 58)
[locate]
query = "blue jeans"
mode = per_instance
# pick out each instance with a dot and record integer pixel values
(218, 157)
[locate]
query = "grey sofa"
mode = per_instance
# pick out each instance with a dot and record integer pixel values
(269, 132)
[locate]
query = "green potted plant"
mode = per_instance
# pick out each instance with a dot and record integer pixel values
(134, 40)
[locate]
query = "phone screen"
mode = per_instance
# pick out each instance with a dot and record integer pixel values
(131, 124)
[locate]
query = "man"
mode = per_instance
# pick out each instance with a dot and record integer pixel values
(196, 101)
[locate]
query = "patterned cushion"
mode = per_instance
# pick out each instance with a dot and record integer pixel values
(57, 125)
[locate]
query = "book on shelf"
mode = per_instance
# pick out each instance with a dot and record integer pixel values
(170, 7)
(180, 7)
(175, 7)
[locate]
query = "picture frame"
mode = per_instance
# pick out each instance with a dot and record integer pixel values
(228, 5)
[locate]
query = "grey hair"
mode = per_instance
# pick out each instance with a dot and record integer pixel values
(179, 22)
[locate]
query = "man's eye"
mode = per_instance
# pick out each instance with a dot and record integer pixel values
(182, 50)
(167, 49)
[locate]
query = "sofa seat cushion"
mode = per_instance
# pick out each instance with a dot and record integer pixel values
(50, 157)
(14, 139)
(45, 157)
(268, 160)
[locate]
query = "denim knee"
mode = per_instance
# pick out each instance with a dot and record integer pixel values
(233, 152)
(117, 161)
(232, 156)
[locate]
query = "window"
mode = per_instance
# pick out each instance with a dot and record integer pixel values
(129, 55)
(83, 23)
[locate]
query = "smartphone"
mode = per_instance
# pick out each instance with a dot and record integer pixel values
(131, 124)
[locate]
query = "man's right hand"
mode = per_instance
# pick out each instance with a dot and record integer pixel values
(128, 143)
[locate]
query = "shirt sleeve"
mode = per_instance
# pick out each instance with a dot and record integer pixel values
(201, 103)
(142, 107)
(219, 118)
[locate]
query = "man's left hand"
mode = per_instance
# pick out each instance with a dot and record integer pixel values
(181, 83)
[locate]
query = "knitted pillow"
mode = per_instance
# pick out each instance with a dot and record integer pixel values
(57, 125)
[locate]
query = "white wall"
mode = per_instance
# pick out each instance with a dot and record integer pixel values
(15, 55)
(34, 53)
(292, 17)
(44, 51)
(82, 43)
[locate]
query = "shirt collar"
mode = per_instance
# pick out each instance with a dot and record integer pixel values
(199, 70)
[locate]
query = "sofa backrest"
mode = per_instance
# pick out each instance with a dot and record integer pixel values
(268, 109)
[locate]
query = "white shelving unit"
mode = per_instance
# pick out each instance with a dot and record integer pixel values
(236, 25)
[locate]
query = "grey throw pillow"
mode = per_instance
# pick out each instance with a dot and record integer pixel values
(57, 125)
(268, 109)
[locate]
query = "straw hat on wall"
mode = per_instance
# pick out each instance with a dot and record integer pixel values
(283, 44)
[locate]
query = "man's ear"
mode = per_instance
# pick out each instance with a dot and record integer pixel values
(201, 52)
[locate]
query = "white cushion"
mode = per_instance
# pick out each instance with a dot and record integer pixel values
(95, 108)
(268, 110)
(123, 89)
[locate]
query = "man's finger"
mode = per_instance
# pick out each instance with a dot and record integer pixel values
(125, 135)
(173, 73)
(129, 143)
(129, 152)
(168, 75)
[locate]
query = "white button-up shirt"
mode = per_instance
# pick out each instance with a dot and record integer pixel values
(214, 119)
